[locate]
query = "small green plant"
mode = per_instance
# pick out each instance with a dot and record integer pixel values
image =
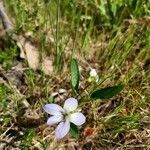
(67, 117)
(8, 55)
(3, 96)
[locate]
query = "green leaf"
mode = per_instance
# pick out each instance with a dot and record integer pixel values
(75, 76)
(74, 131)
(50, 99)
(107, 92)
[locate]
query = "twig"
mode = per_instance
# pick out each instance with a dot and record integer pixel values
(2, 135)
(8, 26)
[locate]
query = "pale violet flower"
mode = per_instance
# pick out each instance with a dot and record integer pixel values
(64, 116)
(93, 74)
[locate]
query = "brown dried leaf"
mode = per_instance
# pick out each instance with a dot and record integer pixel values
(47, 66)
(29, 52)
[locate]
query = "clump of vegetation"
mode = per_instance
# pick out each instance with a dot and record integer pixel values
(99, 54)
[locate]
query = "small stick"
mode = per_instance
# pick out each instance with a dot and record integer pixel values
(8, 26)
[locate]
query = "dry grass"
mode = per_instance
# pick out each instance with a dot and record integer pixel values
(120, 55)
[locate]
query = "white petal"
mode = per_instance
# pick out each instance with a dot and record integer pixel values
(53, 109)
(70, 104)
(93, 73)
(77, 118)
(97, 78)
(62, 129)
(54, 120)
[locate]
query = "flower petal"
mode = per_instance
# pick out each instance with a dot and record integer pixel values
(77, 118)
(70, 104)
(54, 120)
(62, 129)
(53, 109)
(93, 73)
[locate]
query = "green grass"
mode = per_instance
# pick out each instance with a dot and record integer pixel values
(111, 36)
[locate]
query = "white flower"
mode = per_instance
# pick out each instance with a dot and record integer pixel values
(64, 116)
(93, 74)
